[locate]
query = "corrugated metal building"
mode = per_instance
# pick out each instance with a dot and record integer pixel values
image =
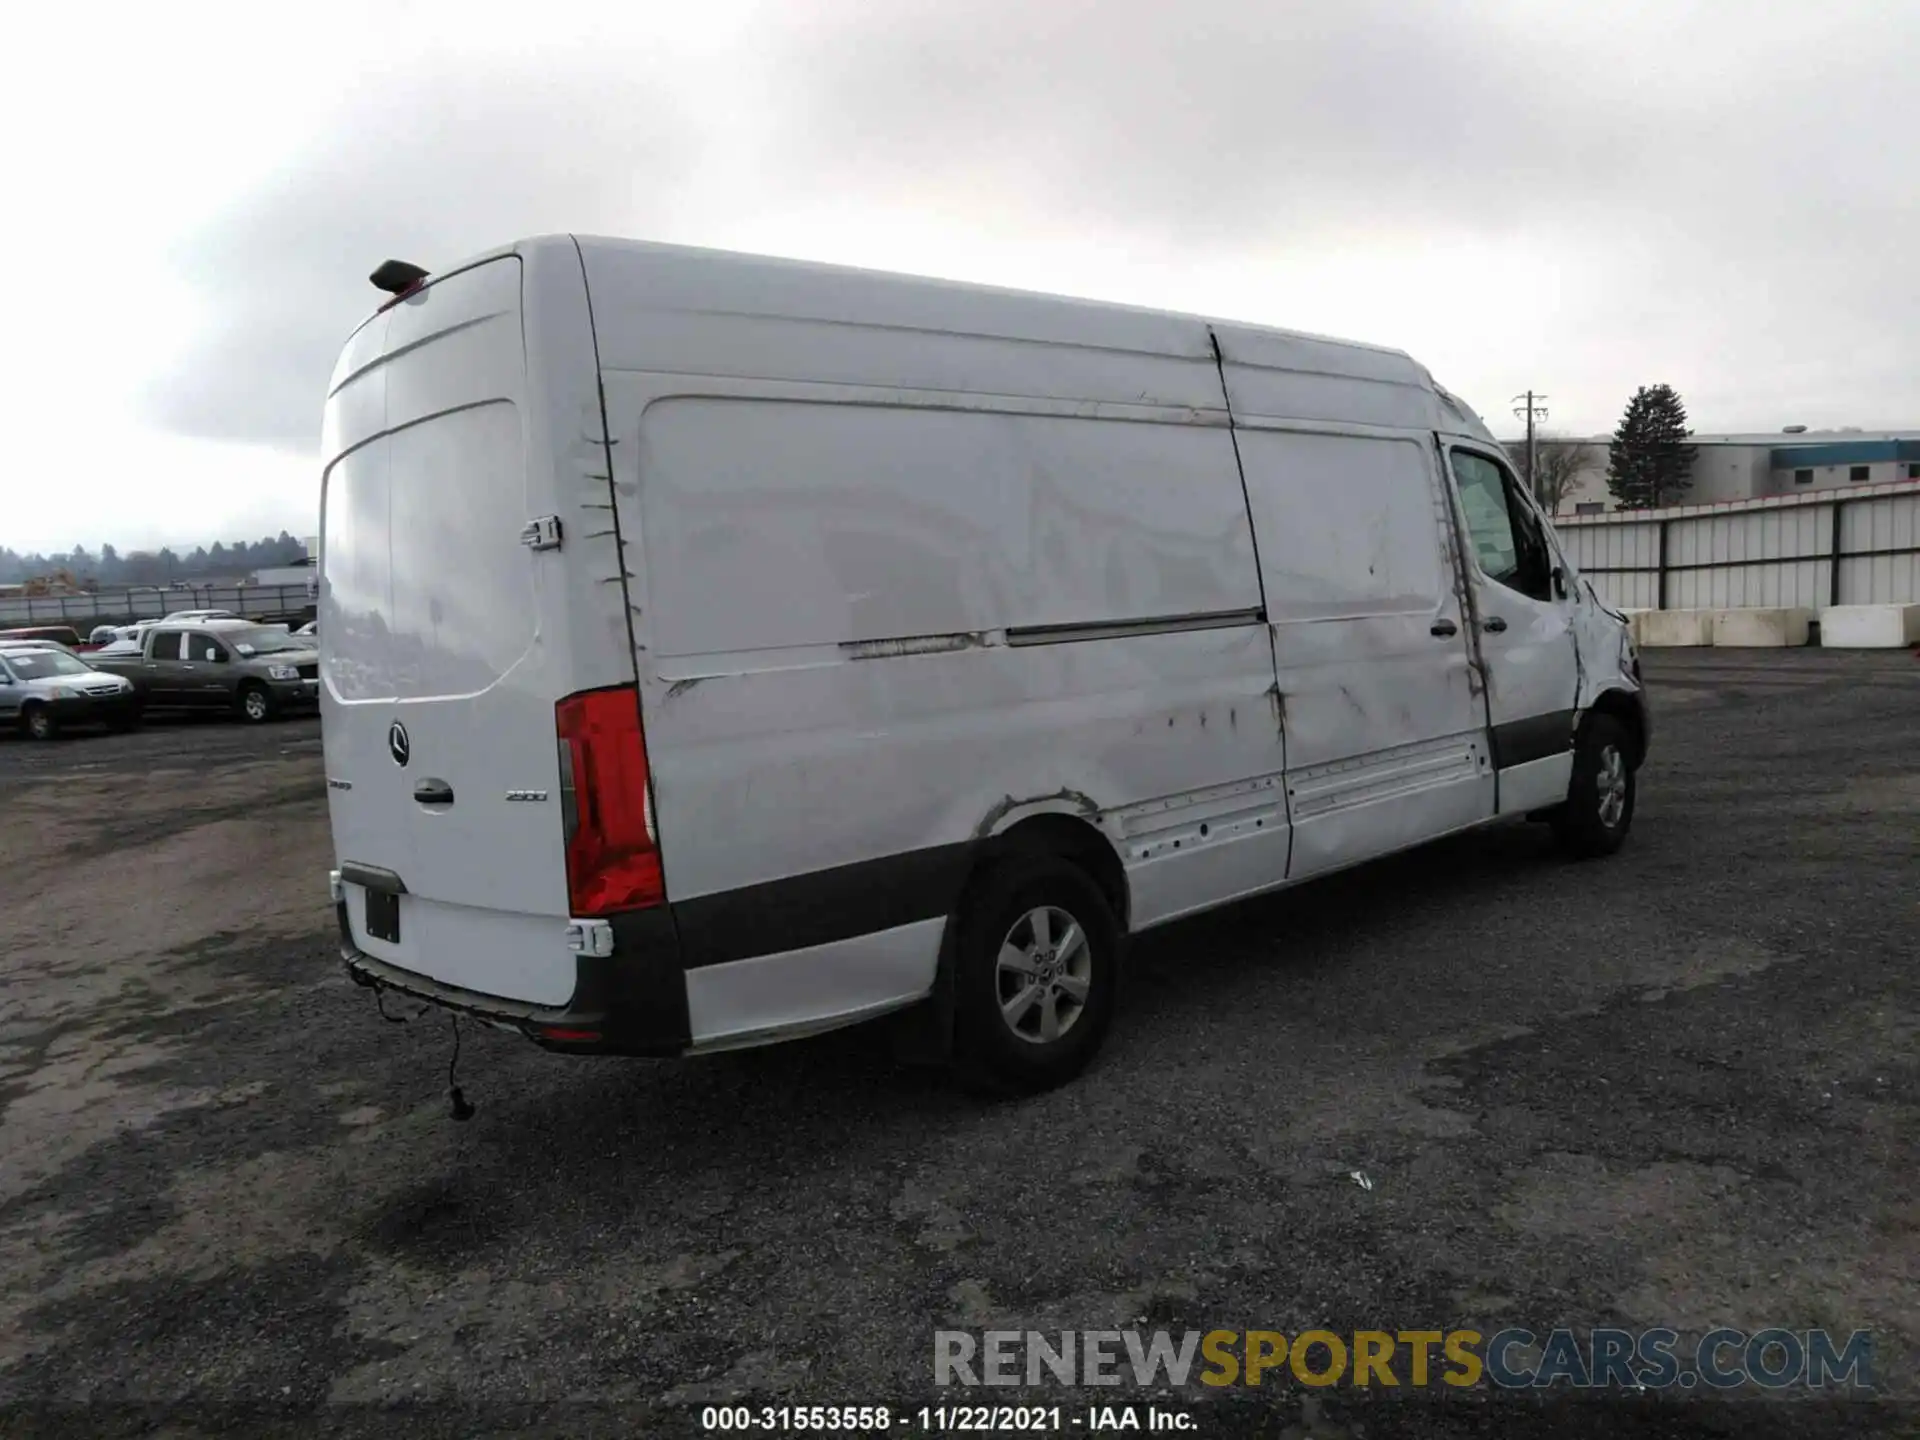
(1752, 466)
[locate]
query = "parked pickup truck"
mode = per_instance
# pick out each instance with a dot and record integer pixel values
(255, 671)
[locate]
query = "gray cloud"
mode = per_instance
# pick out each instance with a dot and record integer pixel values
(1735, 185)
(431, 171)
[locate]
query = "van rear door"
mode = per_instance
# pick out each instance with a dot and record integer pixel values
(443, 649)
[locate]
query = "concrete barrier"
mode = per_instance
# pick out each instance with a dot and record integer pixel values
(1672, 628)
(1869, 627)
(1761, 628)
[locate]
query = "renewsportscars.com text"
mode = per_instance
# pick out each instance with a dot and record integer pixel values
(1725, 1359)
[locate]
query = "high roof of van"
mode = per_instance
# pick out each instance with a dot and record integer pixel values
(783, 278)
(824, 301)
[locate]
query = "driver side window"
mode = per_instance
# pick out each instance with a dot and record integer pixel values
(1508, 542)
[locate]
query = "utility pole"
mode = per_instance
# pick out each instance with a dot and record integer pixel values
(1528, 407)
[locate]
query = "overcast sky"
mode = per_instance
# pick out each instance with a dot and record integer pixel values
(1576, 197)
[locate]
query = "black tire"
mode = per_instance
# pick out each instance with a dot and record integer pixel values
(999, 1055)
(255, 704)
(1599, 810)
(40, 723)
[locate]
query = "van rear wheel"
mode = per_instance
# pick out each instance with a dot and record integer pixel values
(1035, 974)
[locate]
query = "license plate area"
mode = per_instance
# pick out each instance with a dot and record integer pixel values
(383, 916)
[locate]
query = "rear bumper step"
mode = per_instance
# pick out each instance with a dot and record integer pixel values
(632, 1002)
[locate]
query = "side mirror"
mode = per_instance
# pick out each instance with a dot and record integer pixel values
(1559, 582)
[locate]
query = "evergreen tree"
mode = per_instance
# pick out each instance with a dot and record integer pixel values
(1650, 464)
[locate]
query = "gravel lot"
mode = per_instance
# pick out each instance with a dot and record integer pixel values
(1680, 1087)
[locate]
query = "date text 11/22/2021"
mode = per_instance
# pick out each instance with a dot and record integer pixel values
(943, 1419)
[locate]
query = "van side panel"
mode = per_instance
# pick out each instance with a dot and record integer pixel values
(1386, 737)
(879, 626)
(855, 604)
(774, 524)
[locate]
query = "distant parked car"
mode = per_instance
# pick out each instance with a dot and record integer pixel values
(189, 617)
(121, 640)
(44, 689)
(103, 635)
(40, 645)
(311, 628)
(65, 634)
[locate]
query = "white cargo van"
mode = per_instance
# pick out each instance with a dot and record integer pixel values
(721, 649)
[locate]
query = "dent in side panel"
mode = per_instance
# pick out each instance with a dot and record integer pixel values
(1603, 648)
(768, 772)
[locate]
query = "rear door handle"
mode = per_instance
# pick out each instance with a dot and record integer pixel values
(1496, 624)
(433, 792)
(1444, 628)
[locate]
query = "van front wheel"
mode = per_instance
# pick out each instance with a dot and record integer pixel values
(1599, 806)
(1035, 972)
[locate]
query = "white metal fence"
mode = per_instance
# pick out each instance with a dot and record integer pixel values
(1857, 546)
(256, 602)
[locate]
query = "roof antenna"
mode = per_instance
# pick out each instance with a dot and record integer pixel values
(397, 277)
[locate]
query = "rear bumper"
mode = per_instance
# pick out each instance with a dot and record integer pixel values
(632, 1002)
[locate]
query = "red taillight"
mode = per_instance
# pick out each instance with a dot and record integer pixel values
(613, 860)
(568, 1037)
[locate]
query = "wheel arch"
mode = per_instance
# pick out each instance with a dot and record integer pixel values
(1040, 829)
(1061, 834)
(1629, 709)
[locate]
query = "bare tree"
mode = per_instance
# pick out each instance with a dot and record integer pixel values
(1558, 466)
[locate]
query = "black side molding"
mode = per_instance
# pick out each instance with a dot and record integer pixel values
(1535, 738)
(823, 906)
(1118, 629)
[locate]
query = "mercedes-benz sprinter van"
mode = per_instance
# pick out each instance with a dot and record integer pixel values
(719, 649)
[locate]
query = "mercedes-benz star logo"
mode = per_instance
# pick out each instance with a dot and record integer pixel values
(398, 745)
